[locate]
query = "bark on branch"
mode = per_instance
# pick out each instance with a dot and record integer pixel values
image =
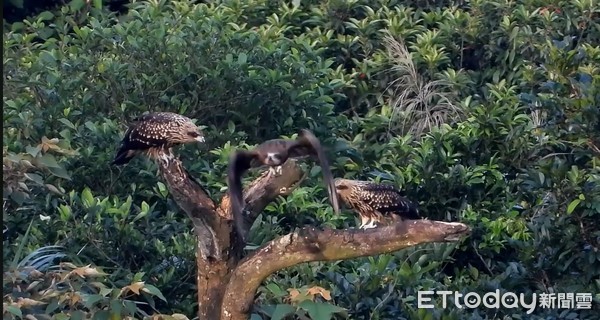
(311, 244)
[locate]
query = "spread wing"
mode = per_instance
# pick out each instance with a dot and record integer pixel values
(307, 144)
(387, 199)
(239, 162)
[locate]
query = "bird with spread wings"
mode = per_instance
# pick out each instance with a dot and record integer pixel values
(274, 153)
(375, 201)
(156, 131)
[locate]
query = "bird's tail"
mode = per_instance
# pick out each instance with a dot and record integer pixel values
(413, 211)
(123, 156)
(236, 197)
(324, 163)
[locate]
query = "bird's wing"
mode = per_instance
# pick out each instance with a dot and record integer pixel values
(239, 162)
(308, 144)
(148, 130)
(387, 199)
(125, 151)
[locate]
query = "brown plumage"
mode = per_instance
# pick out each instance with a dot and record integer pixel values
(274, 153)
(372, 201)
(155, 131)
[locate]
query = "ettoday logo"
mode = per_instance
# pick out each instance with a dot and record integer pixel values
(509, 300)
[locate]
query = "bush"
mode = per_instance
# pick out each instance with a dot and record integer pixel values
(517, 157)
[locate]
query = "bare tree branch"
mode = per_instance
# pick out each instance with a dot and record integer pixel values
(219, 249)
(311, 244)
(193, 200)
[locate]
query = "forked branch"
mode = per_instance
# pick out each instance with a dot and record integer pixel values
(212, 223)
(218, 247)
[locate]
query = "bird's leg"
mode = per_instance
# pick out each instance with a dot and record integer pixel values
(363, 222)
(275, 170)
(370, 225)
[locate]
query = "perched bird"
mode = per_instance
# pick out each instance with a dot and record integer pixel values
(274, 153)
(155, 131)
(372, 201)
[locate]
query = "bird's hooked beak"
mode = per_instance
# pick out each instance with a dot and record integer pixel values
(272, 159)
(200, 137)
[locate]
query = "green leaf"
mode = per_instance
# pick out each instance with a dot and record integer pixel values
(116, 308)
(98, 4)
(242, 58)
(33, 151)
(76, 5)
(15, 311)
(47, 59)
(19, 252)
(162, 189)
(35, 178)
(130, 307)
(101, 315)
(17, 26)
(87, 198)
(19, 197)
(48, 161)
(46, 15)
(60, 172)
(405, 270)
(573, 205)
(154, 291)
(90, 300)
(276, 290)
(65, 212)
(281, 311)
(144, 211)
(67, 123)
(52, 306)
(320, 311)
(77, 315)
(61, 316)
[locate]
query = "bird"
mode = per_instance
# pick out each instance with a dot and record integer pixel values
(156, 131)
(372, 201)
(274, 153)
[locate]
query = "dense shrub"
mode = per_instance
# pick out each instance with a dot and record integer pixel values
(513, 149)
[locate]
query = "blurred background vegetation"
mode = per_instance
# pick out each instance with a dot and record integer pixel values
(483, 112)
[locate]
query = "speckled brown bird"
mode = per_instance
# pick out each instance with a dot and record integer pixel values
(372, 201)
(155, 131)
(274, 153)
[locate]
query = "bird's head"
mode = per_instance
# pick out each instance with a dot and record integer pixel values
(272, 159)
(191, 133)
(342, 185)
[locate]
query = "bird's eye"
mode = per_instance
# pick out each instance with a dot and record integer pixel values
(341, 187)
(193, 134)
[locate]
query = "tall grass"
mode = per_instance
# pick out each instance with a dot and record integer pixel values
(418, 104)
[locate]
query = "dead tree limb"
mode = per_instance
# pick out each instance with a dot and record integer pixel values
(311, 244)
(218, 246)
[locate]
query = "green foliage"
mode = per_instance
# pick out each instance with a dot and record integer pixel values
(484, 112)
(73, 293)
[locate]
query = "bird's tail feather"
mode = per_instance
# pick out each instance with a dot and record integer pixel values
(324, 163)
(236, 197)
(413, 212)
